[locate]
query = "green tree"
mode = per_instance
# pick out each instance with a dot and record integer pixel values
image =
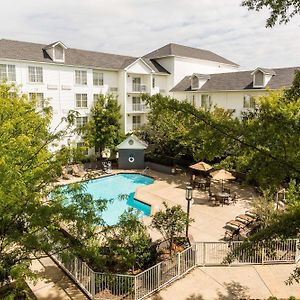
(30, 219)
(174, 132)
(171, 223)
(127, 245)
(103, 130)
(280, 10)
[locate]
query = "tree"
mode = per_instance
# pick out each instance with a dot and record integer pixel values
(282, 10)
(32, 210)
(103, 130)
(264, 144)
(171, 223)
(178, 134)
(127, 245)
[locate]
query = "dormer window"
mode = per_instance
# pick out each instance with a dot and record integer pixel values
(258, 79)
(262, 76)
(198, 80)
(56, 51)
(59, 53)
(195, 83)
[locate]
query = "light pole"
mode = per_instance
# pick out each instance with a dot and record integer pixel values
(188, 197)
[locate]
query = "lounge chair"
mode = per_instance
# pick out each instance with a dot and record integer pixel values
(65, 175)
(77, 171)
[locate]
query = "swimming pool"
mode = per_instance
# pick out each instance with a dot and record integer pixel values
(111, 187)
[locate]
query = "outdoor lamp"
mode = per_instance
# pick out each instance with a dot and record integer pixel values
(188, 193)
(188, 197)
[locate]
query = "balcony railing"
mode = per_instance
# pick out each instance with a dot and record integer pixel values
(141, 88)
(137, 107)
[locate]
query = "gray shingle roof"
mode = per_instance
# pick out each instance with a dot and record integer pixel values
(184, 51)
(238, 81)
(35, 52)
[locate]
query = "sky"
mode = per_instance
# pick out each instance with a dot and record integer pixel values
(136, 27)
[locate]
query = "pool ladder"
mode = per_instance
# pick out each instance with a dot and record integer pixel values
(145, 170)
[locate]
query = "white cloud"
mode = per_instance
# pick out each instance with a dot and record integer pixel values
(135, 27)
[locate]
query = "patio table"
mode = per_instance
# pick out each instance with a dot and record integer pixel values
(224, 197)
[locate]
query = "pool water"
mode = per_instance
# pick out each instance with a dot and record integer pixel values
(111, 187)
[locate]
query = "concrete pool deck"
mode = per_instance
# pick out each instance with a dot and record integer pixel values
(209, 220)
(233, 283)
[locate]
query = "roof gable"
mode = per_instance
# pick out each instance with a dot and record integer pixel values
(139, 66)
(190, 52)
(132, 142)
(54, 44)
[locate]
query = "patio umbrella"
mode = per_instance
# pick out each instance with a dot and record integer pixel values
(201, 166)
(222, 175)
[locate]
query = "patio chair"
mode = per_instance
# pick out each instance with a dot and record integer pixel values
(207, 183)
(77, 171)
(233, 198)
(65, 175)
(227, 190)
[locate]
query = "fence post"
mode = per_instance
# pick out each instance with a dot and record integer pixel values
(196, 254)
(178, 261)
(204, 251)
(262, 254)
(158, 275)
(297, 256)
(93, 284)
(135, 287)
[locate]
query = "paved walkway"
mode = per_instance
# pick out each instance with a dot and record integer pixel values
(233, 283)
(53, 284)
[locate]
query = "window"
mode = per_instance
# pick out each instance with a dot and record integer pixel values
(81, 100)
(136, 84)
(8, 72)
(96, 97)
(81, 121)
(136, 104)
(39, 98)
(195, 82)
(59, 53)
(97, 78)
(80, 77)
(249, 101)
(136, 122)
(82, 147)
(35, 74)
(258, 79)
(205, 101)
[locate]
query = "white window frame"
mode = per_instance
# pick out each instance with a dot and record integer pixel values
(81, 100)
(195, 83)
(35, 74)
(207, 98)
(80, 77)
(136, 125)
(95, 97)
(81, 121)
(62, 59)
(248, 101)
(98, 78)
(7, 74)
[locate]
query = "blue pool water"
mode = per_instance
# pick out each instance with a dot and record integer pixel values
(111, 187)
